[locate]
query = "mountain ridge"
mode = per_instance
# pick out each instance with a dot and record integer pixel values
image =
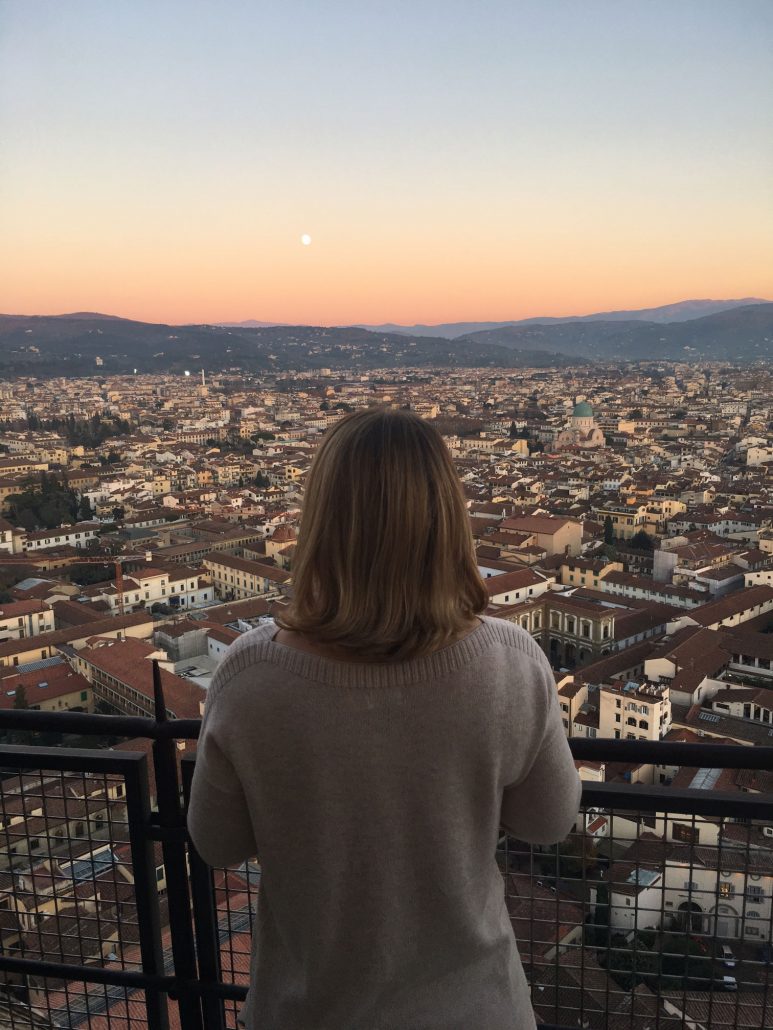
(743, 333)
(688, 309)
(51, 345)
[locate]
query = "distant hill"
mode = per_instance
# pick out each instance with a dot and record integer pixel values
(737, 334)
(249, 323)
(681, 312)
(70, 345)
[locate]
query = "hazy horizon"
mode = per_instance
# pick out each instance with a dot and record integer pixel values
(450, 163)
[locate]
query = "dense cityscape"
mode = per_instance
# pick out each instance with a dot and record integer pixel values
(622, 515)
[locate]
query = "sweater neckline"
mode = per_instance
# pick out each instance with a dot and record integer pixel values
(372, 674)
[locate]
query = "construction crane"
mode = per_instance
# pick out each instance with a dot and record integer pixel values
(112, 559)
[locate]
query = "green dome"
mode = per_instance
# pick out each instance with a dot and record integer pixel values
(582, 410)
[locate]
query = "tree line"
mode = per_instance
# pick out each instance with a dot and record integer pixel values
(49, 503)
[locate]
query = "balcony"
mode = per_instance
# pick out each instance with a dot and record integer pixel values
(655, 913)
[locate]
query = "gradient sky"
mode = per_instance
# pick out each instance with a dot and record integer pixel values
(160, 159)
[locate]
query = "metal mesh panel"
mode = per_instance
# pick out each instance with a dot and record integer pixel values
(656, 912)
(641, 920)
(69, 895)
(236, 898)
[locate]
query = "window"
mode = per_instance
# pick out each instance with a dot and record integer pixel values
(605, 631)
(618, 703)
(726, 890)
(555, 620)
(754, 893)
(570, 625)
(617, 717)
(586, 629)
(686, 834)
(84, 695)
(690, 885)
(643, 724)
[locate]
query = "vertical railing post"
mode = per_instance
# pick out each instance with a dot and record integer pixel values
(205, 923)
(170, 815)
(146, 891)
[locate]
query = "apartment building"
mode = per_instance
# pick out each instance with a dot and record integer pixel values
(79, 536)
(626, 521)
(555, 534)
(25, 619)
(46, 645)
(515, 586)
(121, 674)
(178, 587)
(237, 578)
(52, 687)
(634, 711)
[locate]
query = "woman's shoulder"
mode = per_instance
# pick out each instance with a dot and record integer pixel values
(247, 649)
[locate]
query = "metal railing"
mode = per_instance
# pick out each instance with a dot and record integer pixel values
(109, 918)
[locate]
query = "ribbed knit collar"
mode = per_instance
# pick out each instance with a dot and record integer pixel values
(258, 646)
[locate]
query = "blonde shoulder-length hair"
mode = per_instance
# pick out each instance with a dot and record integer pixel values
(385, 563)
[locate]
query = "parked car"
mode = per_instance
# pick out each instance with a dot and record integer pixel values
(728, 958)
(728, 983)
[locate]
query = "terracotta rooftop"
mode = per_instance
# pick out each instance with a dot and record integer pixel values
(66, 636)
(733, 604)
(16, 609)
(59, 680)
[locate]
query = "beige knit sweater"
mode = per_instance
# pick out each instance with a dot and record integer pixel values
(372, 795)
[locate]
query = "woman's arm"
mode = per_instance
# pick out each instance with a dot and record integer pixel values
(542, 807)
(218, 817)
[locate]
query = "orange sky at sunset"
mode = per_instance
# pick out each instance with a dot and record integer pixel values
(448, 167)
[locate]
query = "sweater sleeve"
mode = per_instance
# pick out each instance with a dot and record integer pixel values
(219, 820)
(542, 807)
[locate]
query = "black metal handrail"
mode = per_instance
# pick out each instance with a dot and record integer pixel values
(596, 749)
(195, 981)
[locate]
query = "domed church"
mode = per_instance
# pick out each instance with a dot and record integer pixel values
(581, 430)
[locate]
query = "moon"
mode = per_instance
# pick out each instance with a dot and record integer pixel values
(305, 239)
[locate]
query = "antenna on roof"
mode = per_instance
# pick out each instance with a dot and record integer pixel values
(159, 704)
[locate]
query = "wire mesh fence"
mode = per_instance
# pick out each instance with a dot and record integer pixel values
(656, 912)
